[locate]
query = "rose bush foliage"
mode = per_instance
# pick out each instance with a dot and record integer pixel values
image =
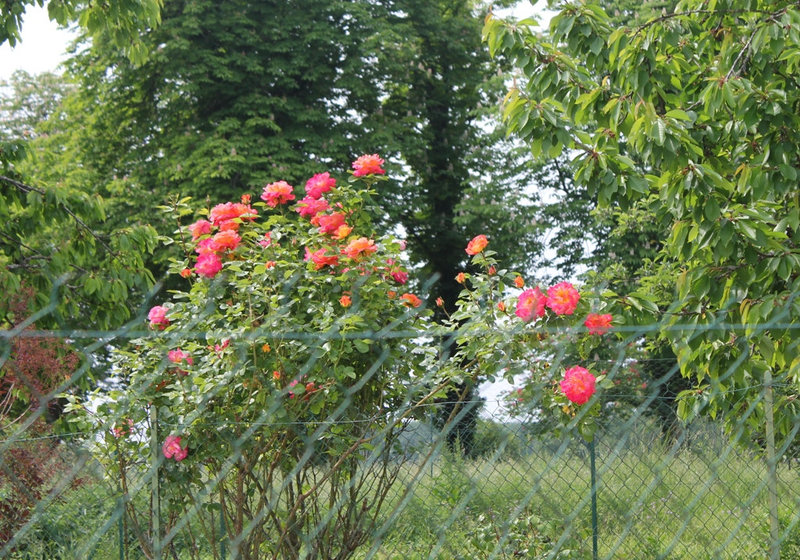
(286, 356)
(273, 388)
(529, 335)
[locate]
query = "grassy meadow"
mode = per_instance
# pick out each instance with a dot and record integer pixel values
(528, 498)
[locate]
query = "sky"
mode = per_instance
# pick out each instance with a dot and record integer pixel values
(41, 49)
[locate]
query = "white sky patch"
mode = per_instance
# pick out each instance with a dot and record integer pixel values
(42, 48)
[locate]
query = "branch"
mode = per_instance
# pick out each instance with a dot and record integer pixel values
(28, 188)
(692, 12)
(669, 16)
(771, 17)
(37, 254)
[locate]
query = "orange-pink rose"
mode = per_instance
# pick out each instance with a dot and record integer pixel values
(477, 244)
(563, 298)
(368, 165)
(276, 193)
(359, 247)
(578, 385)
(598, 324)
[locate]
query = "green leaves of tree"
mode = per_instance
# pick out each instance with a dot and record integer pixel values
(117, 22)
(698, 106)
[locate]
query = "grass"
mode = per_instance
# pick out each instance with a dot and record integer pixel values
(702, 500)
(699, 500)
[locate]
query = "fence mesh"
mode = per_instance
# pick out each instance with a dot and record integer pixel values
(483, 477)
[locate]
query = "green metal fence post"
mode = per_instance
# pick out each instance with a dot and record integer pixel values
(772, 473)
(121, 538)
(593, 470)
(155, 511)
(222, 549)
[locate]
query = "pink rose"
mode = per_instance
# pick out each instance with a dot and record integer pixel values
(309, 207)
(530, 304)
(178, 356)
(208, 265)
(158, 317)
(199, 228)
(319, 184)
(172, 448)
(578, 385)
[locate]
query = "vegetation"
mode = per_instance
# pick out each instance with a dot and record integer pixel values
(116, 22)
(280, 397)
(691, 113)
(647, 496)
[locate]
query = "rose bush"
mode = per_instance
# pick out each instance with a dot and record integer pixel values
(500, 331)
(275, 384)
(273, 389)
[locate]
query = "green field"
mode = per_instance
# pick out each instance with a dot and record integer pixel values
(529, 499)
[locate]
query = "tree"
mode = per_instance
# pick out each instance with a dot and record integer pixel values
(49, 234)
(234, 96)
(237, 95)
(697, 108)
(437, 75)
(51, 237)
(286, 412)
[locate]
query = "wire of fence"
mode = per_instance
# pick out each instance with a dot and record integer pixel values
(417, 476)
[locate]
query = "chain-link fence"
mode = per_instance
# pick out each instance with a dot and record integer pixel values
(492, 476)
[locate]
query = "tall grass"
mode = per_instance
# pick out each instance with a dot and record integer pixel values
(693, 498)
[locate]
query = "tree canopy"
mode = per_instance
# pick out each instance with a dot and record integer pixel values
(695, 111)
(235, 95)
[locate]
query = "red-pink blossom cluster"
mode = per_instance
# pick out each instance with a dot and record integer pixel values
(368, 165)
(562, 299)
(172, 448)
(218, 238)
(578, 385)
(226, 218)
